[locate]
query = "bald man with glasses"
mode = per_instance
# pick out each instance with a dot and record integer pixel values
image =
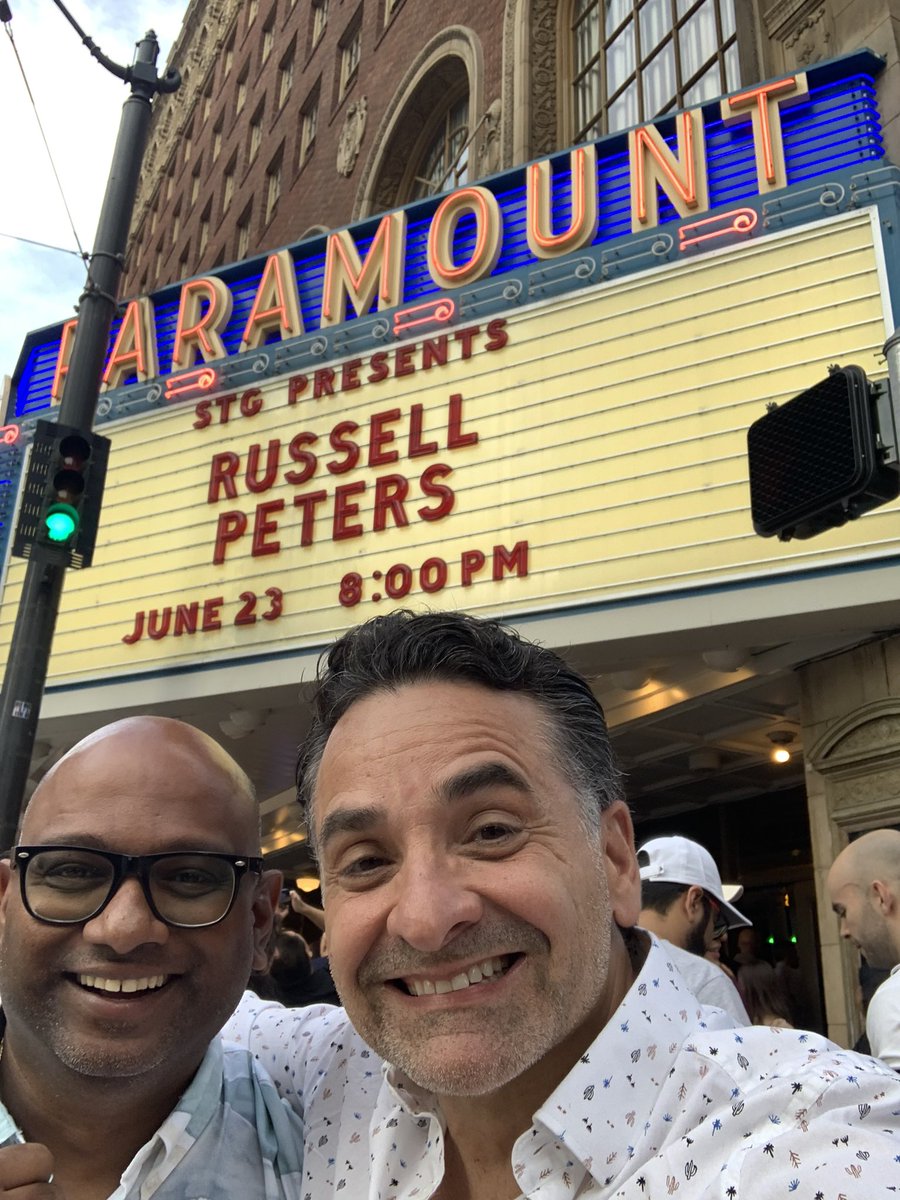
(131, 914)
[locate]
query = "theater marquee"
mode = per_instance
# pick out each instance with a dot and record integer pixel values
(555, 418)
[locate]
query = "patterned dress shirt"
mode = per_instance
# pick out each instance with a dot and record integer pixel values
(671, 1100)
(883, 1020)
(229, 1136)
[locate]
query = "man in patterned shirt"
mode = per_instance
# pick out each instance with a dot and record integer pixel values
(481, 893)
(130, 914)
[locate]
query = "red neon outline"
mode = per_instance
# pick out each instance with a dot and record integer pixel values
(65, 352)
(579, 203)
(384, 291)
(481, 241)
(642, 138)
(210, 317)
(439, 312)
(203, 379)
(255, 315)
(133, 313)
(9, 434)
(742, 221)
(761, 95)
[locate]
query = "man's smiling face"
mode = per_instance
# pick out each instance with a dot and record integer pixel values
(123, 994)
(470, 917)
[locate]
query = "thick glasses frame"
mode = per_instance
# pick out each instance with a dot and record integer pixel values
(139, 865)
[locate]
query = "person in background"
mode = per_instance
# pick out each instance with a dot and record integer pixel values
(864, 886)
(763, 996)
(717, 946)
(749, 947)
(682, 899)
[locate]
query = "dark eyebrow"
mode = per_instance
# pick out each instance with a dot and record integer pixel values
(348, 820)
(484, 775)
(457, 787)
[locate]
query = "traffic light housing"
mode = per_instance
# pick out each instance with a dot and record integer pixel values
(60, 509)
(825, 457)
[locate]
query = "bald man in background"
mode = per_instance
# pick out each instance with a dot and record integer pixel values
(864, 887)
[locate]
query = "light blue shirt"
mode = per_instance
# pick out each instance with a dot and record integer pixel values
(228, 1136)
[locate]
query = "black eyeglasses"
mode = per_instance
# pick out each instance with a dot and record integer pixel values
(189, 889)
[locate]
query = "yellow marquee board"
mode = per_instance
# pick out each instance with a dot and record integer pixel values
(592, 449)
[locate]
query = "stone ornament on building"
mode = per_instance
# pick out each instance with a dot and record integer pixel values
(489, 153)
(803, 27)
(352, 136)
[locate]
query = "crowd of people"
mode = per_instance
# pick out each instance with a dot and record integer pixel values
(524, 994)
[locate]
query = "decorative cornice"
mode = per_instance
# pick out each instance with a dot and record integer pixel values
(864, 741)
(203, 31)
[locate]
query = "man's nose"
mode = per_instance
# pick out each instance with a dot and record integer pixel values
(433, 901)
(127, 921)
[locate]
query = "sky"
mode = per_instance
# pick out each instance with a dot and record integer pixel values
(79, 104)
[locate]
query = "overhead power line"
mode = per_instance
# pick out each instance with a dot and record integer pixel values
(7, 25)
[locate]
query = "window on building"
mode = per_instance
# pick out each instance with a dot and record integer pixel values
(217, 140)
(273, 189)
(285, 76)
(243, 237)
(176, 224)
(195, 185)
(153, 219)
(309, 119)
(170, 186)
(204, 230)
(390, 7)
(319, 19)
(228, 186)
(252, 10)
(187, 144)
(635, 59)
(255, 133)
(157, 273)
(228, 59)
(240, 96)
(183, 262)
(349, 50)
(207, 105)
(444, 163)
(268, 38)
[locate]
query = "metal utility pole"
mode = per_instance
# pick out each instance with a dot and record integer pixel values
(29, 654)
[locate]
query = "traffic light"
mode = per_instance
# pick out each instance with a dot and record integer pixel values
(823, 458)
(60, 508)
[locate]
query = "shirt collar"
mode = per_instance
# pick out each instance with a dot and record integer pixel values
(629, 1061)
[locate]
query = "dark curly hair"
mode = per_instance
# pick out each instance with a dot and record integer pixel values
(388, 652)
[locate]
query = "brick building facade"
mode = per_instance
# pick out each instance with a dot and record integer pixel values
(297, 116)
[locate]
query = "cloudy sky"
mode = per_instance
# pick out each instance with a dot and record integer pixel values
(79, 104)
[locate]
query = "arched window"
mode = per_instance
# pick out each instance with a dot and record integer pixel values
(444, 162)
(425, 142)
(635, 59)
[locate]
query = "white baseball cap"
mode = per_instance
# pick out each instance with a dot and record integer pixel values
(679, 860)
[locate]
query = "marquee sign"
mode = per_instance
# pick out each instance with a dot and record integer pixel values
(503, 400)
(703, 171)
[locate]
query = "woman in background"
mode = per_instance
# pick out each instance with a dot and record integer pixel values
(762, 994)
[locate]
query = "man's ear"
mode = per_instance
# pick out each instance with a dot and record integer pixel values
(265, 902)
(883, 897)
(692, 900)
(6, 883)
(620, 859)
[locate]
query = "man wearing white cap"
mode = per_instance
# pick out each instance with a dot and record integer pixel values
(682, 901)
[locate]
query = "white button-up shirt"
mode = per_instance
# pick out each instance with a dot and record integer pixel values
(671, 1100)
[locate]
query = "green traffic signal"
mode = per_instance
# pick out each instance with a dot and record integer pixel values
(61, 521)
